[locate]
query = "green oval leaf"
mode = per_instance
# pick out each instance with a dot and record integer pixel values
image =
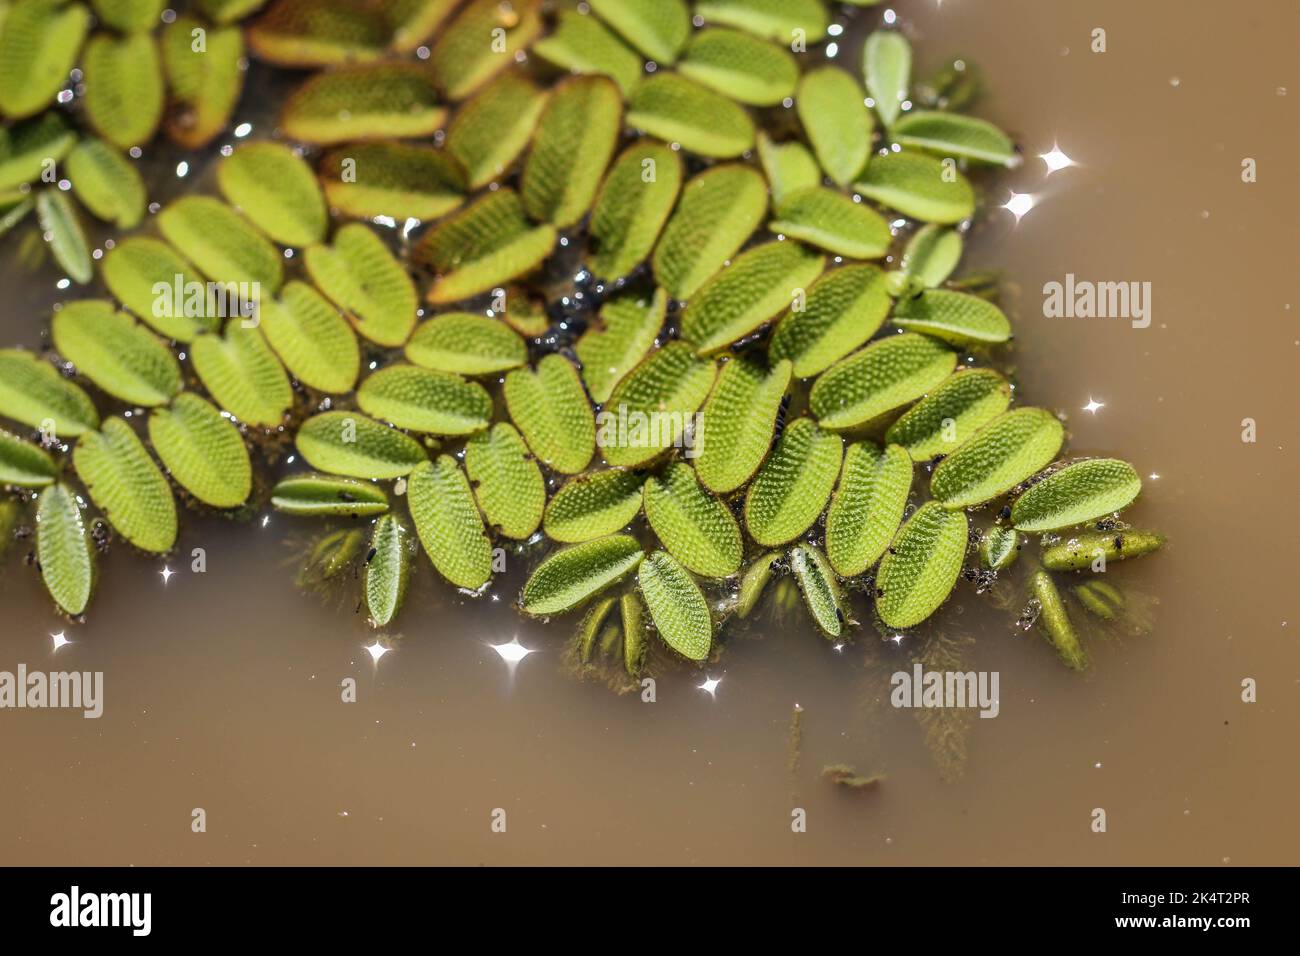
(775, 19)
(867, 507)
(487, 244)
(627, 331)
(999, 548)
(932, 254)
(885, 375)
(887, 68)
(696, 528)
(843, 309)
(129, 16)
(507, 482)
(1002, 454)
(1057, 628)
(752, 290)
(367, 282)
(124, 88)
(398, 180)
(449, 524)
(741, 66)
(106, 183)
(63, 550)
(789, 168)
(581, 44)
(414, 21)
(64, 234)
(821, 591)
(650, 411)
(677, 606)
(349, 443)
(422, 400)
(918, 186)
(204, 85)
(950, 414)
(952, 134)
(719, 209)
(551, 410)
(575, 139)
(678, 110)
(632, 207)
(202, 450)
(39, 42)
(632, 613)
(593, 505)
(483, 39)
(1082, 550)
(832, 221)
(738, 422)
(126, 485)
(277, 191)
(328, 495)
(23, 464)
(222, 245)
(228, 11)
(365, 101)
(831, 109)
(388, 569)
(572, 575)
(1077, 493)
(315, 343)
(921, 567)
(466, 343)
(589, 630)
(25, 147)
(752, 583)
(34, 393)
(489, 132)
(150, 279)
(658, 28)
(116, 353)
(308, 33)
(243, 375)
(953, 317)
(793, 485)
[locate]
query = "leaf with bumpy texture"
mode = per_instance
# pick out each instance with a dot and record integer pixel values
(106, 183)
(204, 86)
(1077, 493)
(719, 209)
(422, 400)
(328, 495)
(551, 410)
(315, 343)
(678, 110)
(885, 375)
(63, 550)
(1002, 454)
(467, 344)
(366, 281)
(752, 290)
(922, 565)
(738, 422)
(632, 613)
(129, 16)
(482, 40)
(999, 548)
(593, 505)
(25, 147)
(311, 33)
(696, 528)
(388, 570)
(132, 269)
(656, 400)
(887, 68)
(507, 482)
(277, 191)
(449, 524)
(489, 132)
(1055, 621)
(1080, 551)
(789, 167)
(832, 221)
(115, 352)
(843, 309)
(658, 28)
(753, 581)
(125, 92)
(228, 11)
(581, 44)
(34, 393)
(39, 43)
(243, 374)
(951, 134)
(932, 254)
(677, 606)
(221, 244)
(349, 443)
(821, 592)
(571, 147)
(631, 210)
(628, 329)
(793, 485)
(202, 450)
(572, 575)
(775, 19)
(414, 21)
(398, 180)
(127, 486)
(365, 101)
(917, 185)
(950, 414)
(831, 108)
(741, 66)
(867, 507)
(23, 464)
(953, 317)
(64, 234)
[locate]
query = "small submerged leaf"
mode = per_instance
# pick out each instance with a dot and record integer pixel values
(658, 28)
(328, 495)
(39, 43)
(775, 19)
(1055, 621)
(741, 66)
(63, 549)
(917, 185)
(482, 40)
(204, 85)
(127, 486)
(422, 400)
(593, 505)
(243, 375)
(821, 591)
(650, 410)
(349, 443)
(315, 343)
(489, 132)
(629, 326)
(843, 309)
(34, 393)
(1000, 456)
(793, 485)
(64, 234)
(887, 68)
(388, 570)
(632, 613)
(590, 629)
(277, 191)
(124, 88)
(789, 168)
(467, 344)
(106, 183)
(885, 375)
(752, 290)
(832, 221)
(367, 282)
(950, 414)
(677, 606)
(696, 528)
(867, 507)
(551, 410)
(678, 110)
(719, 209)
(507, 482)
(954, 317)
(572, 575)
(952, 134)
(222, 245)
(202, 450)
(448, 523)
(485, 245)
(1080, 551)
(133, 269)
(581, 44)
(632, 207)
(753, 581)
(831, 109)
(23, 464)
(574, 141)
(365, 101)
(398, 180)
(1077, 493)
(309, 33)
(921, 567)
(115, 352)
(738, 422)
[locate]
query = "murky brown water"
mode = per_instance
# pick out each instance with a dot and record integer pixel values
(223, 688)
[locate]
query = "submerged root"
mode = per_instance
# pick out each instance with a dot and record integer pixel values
(946, 729)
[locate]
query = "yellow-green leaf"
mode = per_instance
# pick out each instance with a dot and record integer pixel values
(921, 567)
(204, 85)
(793, 485)
(1077, 493)
(932, 254)
(954, 317)
(202, 450)
(39, 43)
(64, 234)
(551, 410)
(887, 69)
(652, 408)
(696, 528)
(467, 344)
(328, 495)
(999, 548)
(34, 393)
(1083, 550)
(632, 207)
(106, 183)
(627, 330)
(398, 180)
(579, 43)
(124, 88)
(1055, 620)
(789, 168)
(677, 606)
(133, 270)
(753, 582)
(365, 101)
(885, 375)
(480, 42)
(842, 310)
(25, 148)
(832, 221)
(309, 33)
(632, 614)
(359, 275)
(784, 21)
(349, 443)
(448, 523)
(741, 66)
(593, 505)
(867, 507)
(658, 28)
(952, 134)
(228, 11)
(126, 485)
(507, 482)
(490, 131)
(831, 109)
(388, 569)
(719, 209)
(312, 339)
(917, 185)
(242, 374)
(738, 422)
(821, 591)
(276, 191)
(678, 110)
(129, 16)
(414, 21)
(574, 141)
(950, 414)
(23, 464)
(1002, 454)
(222, 245)
(572, 575)
(422, 400)
(115, 352)
(63, 550)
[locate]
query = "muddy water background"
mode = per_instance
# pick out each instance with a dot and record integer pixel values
(222, 689)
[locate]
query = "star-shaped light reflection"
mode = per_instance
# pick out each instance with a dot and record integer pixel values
(1056, 160)
(710, 686)
(376, 651)
(166, 573)
(59, 640)
(512, 652)
(1093, 405)
(1019, 204)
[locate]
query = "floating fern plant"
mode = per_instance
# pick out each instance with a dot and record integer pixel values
(674, 335)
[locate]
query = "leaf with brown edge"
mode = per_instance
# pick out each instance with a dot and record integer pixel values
(365, 101)
(678, 110)
(203, 87)
(398, 180)
(490, 131)
(880, 378)
(580, 43)
(481, 41)
(312, 33)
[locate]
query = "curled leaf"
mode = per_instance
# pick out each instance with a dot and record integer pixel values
(696, 528)
(833, 114)
(34, 393)
(202, 450)
(628, 328)
(632, 207)
(551, 410)
(388, 569)
(466, 343)
(821, 591)
(328, 495)
(950, 414)
(1077, 493)
(315, 343)
(448, 523)
(678, 110)
(64, 234)
(25, 147)
(1055, 620)
(127, 486)
(572, 575)
(738, 422)
(277, 191)
(885, 375)
(507, 482)
(921, 567)
(242, 374)
(349, 443)
(422, 400)
(999, 548)
(115, 352)
(367, 282)
(917, 185)
(842, 310)
(632, 613)
(793, 485)
(677, 606)
(364, 101)
(999, 456)
(753, 581)
(63, 549)
(867, 507)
